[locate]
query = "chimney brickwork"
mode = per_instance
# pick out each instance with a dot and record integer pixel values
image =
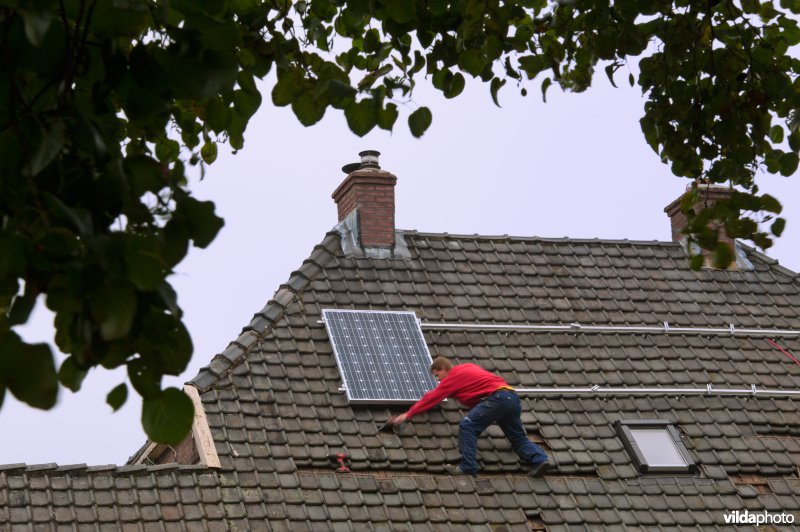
(369, 191)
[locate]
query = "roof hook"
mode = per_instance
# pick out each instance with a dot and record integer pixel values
(708, 389)
(595, 388)
(340, 458)
(733, 329)
(753, 389)
(666, 326)
(575, 325)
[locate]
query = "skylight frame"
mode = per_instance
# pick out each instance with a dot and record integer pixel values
(625, 430)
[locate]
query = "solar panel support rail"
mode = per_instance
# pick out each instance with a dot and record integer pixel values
(753, 391)
(632, 329)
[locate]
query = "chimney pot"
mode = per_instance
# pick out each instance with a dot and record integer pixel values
(369, 159)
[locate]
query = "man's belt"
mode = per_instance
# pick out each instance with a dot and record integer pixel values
(500, 389)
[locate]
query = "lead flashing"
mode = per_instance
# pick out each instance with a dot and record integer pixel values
(347, 230)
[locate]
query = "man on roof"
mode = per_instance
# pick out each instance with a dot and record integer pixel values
(491, 400)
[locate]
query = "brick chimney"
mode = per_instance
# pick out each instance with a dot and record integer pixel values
(707, 195)
(366, 197)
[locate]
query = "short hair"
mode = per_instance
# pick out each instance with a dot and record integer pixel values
(441, 363)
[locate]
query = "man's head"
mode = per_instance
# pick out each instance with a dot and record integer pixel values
(440, 367)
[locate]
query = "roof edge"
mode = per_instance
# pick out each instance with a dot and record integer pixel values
(82, 469)
(272, 312)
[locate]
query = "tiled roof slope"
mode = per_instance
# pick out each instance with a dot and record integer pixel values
(168, 497)
(277, 414)
(281, 406)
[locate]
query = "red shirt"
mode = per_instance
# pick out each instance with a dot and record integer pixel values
(466, 382)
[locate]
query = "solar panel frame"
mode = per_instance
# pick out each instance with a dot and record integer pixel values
(381, 355)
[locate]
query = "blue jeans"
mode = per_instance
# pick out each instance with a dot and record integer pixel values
(503, 408)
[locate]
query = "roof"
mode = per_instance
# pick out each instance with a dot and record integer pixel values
(277, 415)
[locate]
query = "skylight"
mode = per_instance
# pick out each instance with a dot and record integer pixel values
(655, 446)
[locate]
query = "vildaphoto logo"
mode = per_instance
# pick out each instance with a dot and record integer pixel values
(746, 517)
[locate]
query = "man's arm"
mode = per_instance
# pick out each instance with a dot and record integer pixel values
(428, 401)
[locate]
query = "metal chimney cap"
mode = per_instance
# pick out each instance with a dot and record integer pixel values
(369, 159)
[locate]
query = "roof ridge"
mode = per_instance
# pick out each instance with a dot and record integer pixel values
(273, 311)
(594, 240)
(55, 469)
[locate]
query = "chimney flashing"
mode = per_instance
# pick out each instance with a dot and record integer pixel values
(351, 247)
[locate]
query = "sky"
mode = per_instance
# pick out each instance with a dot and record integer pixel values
(577, 166)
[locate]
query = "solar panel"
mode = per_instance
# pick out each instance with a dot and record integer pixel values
(382, 356)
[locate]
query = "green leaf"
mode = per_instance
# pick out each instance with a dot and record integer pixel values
(22, 306)
(776, 134)
(37, 22)
(80, 219)
(167, 150)
(199, 218)
(165, 339)
(610, 69)
(387, 117)
(771, 204)
(209, 152)
(169, 299)
(778, 226)
(50, 143)
(419, 121)
(455, 85)
(494, 87)
(218, 114)
(145, 267)
(13, 254)
(788, 162)
(545, 84)
(168, 417)
(285, 90)
(307, 109)
(113, 306)
(696, 262)
(71, 375)
(401, 11)
(472, 62)
(361, 116)
(246, 103)
(28, 371)
(144, 377)
(723, 255)
(117, 397)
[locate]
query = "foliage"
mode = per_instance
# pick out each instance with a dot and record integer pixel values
(103, 104)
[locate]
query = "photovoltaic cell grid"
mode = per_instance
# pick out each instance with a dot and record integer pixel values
(382, 356)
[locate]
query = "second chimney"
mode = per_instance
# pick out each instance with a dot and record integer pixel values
(707, 196)
(367, 193)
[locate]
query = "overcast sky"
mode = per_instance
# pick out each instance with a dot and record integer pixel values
(577, 166)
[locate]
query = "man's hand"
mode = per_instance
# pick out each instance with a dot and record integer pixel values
(398, 420)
